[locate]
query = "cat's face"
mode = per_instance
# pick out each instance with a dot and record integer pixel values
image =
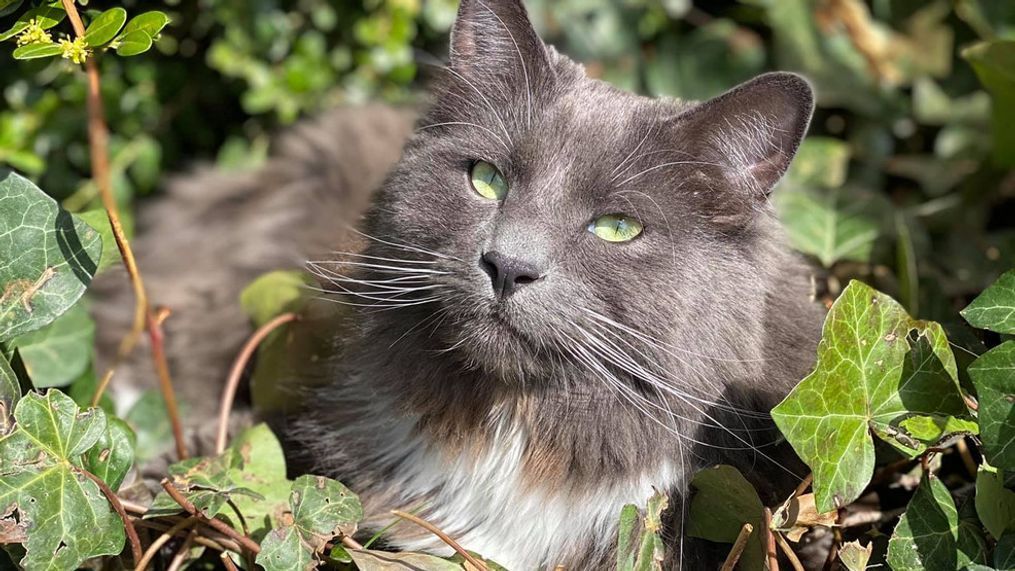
(537, 213)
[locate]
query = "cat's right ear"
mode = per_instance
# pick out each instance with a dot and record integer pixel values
(495, 37)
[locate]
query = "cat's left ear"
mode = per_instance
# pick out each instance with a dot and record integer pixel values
(751, 132)
(495, 37)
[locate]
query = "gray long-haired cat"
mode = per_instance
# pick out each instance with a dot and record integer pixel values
(562, 298)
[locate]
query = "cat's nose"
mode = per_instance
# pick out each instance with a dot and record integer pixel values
(508, 273)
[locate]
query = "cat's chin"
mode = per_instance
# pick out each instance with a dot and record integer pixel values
(498, 347)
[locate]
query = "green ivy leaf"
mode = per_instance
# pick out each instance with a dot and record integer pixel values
(994, 309)
(640, 544)
(47, 257)
(65, 516)
(834, 224)
(320, 508)
(994, 63)
(259, 465)
(45, 16)
(723, 502)
(927, 536)
(370, 560)
(993, 375)
(105, 27)
(36, 51)
(113, 455)
(83, 389)
(1004, 553)
(868, 377)
(60, 352)
(854, 556)
(10, 394)
(273, 294)
(205, 482)
(134, 43)
(995, 504)
(99, 222)
(151, 424)
(150, 23)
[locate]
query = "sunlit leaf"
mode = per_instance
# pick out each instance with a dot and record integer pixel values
(995, 504)
(640, 544)
(273, 294)
(45, 16)
(36, 51)
(927, 535)
(67, 518)
(369, 560)
(99, 221)
(994, 309)
(993, 375)
(10, 394)
(133, 43)
(854, 557)
(869, 378)
(150, 23)
(259, 465)
(47, 257)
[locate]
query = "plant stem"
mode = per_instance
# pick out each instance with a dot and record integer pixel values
(98, 145)
(236, 373)
(156, 545)
(770, 552)
(738, 548)
(215, 523)
(114, 500)
(793, 559)
(443, 537)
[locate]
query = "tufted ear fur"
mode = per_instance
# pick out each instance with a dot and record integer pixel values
(750, 133)
(496, 37)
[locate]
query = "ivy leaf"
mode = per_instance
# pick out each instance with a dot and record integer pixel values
(869, 377)
(113, 455)
(60, 352)
(993, 63)
(320, 509)
(10, 394)
(273, 294)
(47, 257)
(37, 51)
(45, 16)
(259, 465)
(133, 43)
(993, 375)
(105, 27)
(150, 423)
(1004, 553)
(205, 482)
(723, 502)
(99, 221)
(833, 224)
(854, 556)
(66, 517)
(927, 536)
(150, 23)
(370, 560)
(995, 504)
(640, 545)
(994, 309)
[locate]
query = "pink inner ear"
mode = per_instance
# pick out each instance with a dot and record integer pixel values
(769, 169)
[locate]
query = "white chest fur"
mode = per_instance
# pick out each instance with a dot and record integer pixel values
(485, 505)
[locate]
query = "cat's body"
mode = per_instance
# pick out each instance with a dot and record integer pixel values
(507, 374)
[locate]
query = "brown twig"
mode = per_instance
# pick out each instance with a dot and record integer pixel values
(161, 540)
(773, 557)
(135, 541)
(181, 554)
(788, 552)
(133, 507)
(216, 524)
(227, 562)
(443, 537)
(738, 548)
(218, 542)
(802, 487)
(967, 458)
(349, 542)
(98, 146)
(236, 373)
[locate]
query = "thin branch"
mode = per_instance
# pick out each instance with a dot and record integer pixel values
(133, 507)
(770, 552)
(788, 552)
(216, 524)
(802, 487)
(236, 373)
(181, 554)
(135, 541)
(219, 542)
(98, 146)
(349, 542)
(227, 562)
(443, 537)
(161, 540)
(738, 548)
(165, 383)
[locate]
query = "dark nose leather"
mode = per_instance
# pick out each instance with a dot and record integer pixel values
(507, 273)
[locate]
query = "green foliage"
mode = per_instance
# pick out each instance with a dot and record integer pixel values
(993, 376)
(274, 294)
(723, 502)
(994, 309)
(47, 257)
(869, 379)
(995, 504)
(63, 516)
(60, 352)
(928, 535)
(640, 545)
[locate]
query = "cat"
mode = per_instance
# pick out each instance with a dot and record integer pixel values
(562, 298)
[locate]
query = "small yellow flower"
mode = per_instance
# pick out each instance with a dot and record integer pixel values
(34, 34)
(76, 51)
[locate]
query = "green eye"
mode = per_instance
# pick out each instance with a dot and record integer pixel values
(616, 228)
(488, 181)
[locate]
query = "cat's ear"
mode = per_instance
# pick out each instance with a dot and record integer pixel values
(751, 132)
(496, 37)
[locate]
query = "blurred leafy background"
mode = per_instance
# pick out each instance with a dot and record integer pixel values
(905, 180)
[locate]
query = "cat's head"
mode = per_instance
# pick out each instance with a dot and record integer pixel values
(537, 213)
